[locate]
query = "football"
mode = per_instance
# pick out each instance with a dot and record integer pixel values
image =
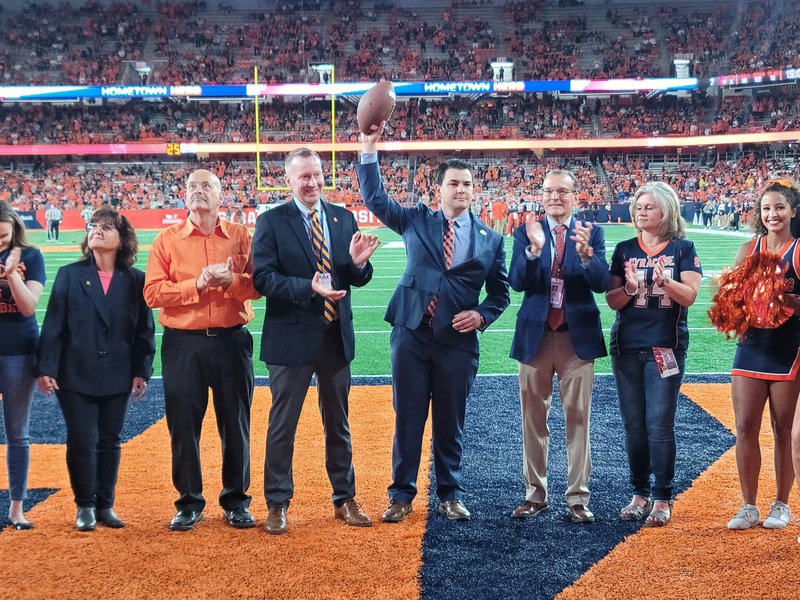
(375, 106)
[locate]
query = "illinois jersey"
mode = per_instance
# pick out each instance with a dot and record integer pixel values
(772, 354)
(651, 318)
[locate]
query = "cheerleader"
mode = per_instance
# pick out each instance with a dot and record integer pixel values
(767, 364)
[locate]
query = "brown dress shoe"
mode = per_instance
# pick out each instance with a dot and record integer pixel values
(578, 513)
(529, 509)
(350, 512)
(276, 520)
(454, 510)
(396, 512)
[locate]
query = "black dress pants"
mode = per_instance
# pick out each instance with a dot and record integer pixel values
(289, 386)
(94, 425)
(192, 363)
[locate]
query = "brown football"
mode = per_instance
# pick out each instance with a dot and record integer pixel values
(375, 106)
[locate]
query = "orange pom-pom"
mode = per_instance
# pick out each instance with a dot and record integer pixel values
(751, 295)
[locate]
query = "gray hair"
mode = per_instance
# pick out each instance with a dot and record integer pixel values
(563, 173)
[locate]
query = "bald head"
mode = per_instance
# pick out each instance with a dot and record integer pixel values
(203, 192)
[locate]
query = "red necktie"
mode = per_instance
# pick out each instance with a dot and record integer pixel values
(323, 260)
(555, 316)
(448, 249)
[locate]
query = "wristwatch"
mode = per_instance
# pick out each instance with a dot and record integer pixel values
(665, 282)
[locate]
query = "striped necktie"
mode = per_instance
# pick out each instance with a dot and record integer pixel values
(323, 260)
(448, 249)
(555, 316)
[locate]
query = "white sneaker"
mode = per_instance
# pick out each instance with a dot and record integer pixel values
(747, 517)
(779, 516)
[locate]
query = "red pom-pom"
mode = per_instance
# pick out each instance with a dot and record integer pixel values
(751, 295)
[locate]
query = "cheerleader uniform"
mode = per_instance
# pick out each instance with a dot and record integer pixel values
(772, 354)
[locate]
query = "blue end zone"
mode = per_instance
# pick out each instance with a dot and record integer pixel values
(495, 556)
(34, 497)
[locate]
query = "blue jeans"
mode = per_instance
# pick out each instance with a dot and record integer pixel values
(17, 382)
(647, 403)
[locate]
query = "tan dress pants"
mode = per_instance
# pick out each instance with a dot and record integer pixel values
(575, 379)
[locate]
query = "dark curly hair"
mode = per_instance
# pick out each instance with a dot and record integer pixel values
(128, 244)
(787, 188)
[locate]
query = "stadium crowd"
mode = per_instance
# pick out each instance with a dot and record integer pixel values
(506, 185)
(509, 117)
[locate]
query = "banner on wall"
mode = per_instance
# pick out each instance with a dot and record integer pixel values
(161, 218)
(30, 220)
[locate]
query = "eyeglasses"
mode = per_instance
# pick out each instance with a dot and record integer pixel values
(557, 192)
(104, 227)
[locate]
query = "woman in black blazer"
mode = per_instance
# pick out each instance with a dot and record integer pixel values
(96, 348)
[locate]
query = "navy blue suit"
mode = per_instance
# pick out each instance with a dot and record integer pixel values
(94, 344)
(434, 365)
(296, 343)
(569, 353)
(581, 311)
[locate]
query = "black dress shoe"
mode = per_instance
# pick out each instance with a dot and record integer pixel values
(240, 518)
(186, 519)
(85, 520)
(21, 526)
(107, 517)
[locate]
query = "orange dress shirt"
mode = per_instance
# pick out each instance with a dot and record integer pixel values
(177, 257)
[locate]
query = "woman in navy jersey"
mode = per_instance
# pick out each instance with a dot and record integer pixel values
(22, 279)
(96, 349)
(767, 364)
(654, 278)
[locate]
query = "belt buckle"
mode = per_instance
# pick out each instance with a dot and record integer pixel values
(211, 332)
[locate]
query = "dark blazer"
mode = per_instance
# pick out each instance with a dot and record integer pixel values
(283, 266)
(533, 278)
(458, 288)
(93, 343)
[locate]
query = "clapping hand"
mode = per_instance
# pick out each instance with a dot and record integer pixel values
(631, 277)
(216, 275)
(581, 233)
(318, 286)
(12, 260)
(658, 270)
(535, 233)
(362, 246)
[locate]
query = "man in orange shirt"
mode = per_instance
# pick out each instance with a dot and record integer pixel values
(200, 276)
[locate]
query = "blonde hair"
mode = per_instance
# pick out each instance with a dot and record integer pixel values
(672, 225)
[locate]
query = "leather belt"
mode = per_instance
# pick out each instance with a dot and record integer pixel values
(208, 331)
(562, 327)
(427, 320)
